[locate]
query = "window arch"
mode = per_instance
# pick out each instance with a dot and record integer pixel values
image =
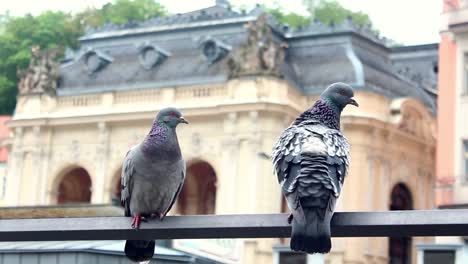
(400, 247)
(116, 188)
(198, 195)
(75, 187)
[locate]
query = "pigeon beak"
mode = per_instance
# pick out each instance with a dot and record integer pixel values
(182, 120)
(353, 102)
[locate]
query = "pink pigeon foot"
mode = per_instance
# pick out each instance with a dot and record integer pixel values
(136, 221)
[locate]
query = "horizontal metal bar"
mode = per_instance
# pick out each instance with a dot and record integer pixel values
(356, 224)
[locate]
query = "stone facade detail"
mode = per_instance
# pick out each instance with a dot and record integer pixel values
(151, 55)
(42, 74)
(260, 54)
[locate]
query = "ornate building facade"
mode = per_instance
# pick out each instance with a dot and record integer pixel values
(240, 79)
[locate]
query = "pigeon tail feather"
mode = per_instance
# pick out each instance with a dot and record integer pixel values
(313, 235)
(139, 250)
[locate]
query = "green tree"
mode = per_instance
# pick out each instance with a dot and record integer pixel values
(120, 12)
(3, 20)
(325, 11)
(332, 12)
(288, 18)
(56, 29)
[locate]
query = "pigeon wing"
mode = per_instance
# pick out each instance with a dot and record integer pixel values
(128, 170)
(311, 162)
(182, 174)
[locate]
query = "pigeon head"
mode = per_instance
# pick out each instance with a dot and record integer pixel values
(327, 109)
(170, 117)
(339, 95)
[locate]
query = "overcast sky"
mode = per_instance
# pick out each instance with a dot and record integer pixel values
(405, 21)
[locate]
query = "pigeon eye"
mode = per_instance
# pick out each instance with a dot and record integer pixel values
(343, 93)
(172, 114)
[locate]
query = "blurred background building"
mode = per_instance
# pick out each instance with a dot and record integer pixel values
(452, 137)
(240, 78)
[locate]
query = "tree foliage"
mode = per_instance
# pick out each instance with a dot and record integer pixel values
(56, 29)
(332, 12)
(325, 11)
(291, 19)
(120, 12)
(3, 20)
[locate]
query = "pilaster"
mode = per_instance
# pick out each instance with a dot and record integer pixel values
(228, 189)
(36, 153)
(15, 163)
(101, 195)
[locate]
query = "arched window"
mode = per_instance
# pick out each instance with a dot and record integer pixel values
(198, 195)
(400, 247)
(75, 187)
(116, 191)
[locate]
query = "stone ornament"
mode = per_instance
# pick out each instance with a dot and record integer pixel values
(151, 56)
(260, 54)
(409, 116)
(42, 74)
(214, 50)
(95, 60)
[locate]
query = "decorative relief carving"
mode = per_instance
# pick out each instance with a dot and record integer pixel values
(261, 54)
(410, 121)
(42, 74)
(412, 117)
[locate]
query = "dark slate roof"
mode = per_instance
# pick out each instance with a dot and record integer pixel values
(316, 56)
(420, 63)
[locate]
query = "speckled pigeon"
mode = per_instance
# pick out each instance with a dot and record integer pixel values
(311, 159)
(153, 173)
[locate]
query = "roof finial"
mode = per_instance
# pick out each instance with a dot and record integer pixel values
(223, 3)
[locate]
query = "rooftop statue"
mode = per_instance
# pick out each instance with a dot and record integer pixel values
(260, 54)
(42, 74)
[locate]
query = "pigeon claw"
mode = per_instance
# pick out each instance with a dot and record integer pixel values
(136, 221)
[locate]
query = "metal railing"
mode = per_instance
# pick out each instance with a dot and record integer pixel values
(356, 224)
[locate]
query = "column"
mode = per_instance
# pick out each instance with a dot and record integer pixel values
(227, 182)
(36, 154)
(45, 167)
(14, 169)
(100, 194)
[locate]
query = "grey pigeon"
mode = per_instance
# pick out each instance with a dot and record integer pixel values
(311, 159)
(153, 174)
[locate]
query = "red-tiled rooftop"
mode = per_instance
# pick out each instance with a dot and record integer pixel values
(4, 133)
